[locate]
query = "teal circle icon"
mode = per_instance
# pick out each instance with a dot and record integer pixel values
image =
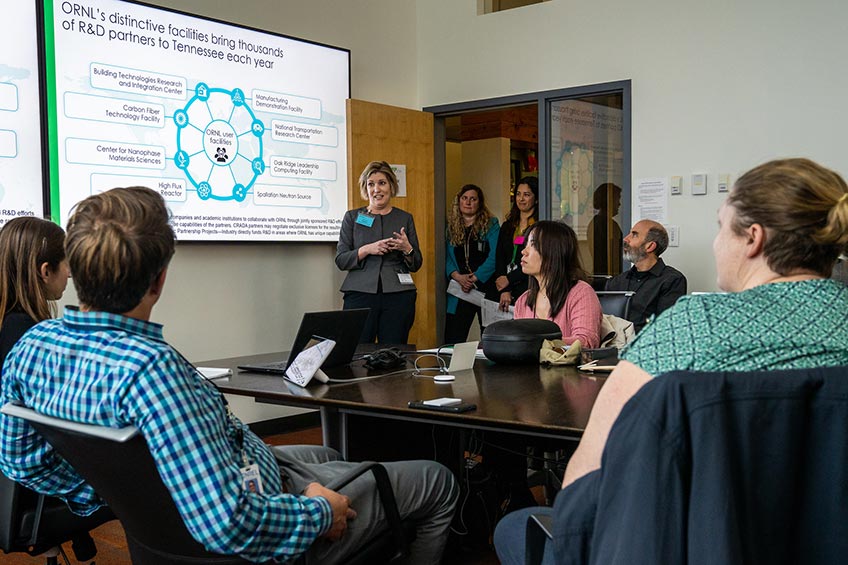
(220, 125)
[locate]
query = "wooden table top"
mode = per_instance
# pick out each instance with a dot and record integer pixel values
(529, 397)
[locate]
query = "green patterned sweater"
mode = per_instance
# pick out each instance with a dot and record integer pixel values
(786, 325)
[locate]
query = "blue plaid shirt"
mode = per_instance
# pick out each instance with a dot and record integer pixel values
(106, 369)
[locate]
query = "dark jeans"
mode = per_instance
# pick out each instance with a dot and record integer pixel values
(510, 537)
(458, 324)
(390, 318)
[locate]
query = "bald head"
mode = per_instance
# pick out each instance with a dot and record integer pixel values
(652, 232)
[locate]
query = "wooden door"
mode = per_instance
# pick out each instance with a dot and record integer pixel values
(376, 132)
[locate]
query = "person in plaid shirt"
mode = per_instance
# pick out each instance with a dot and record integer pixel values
(106, 363)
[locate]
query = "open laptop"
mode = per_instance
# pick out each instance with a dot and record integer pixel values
(462, 357)
(342, 326)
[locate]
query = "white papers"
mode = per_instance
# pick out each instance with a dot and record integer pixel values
(492, 312)
(214, 372)
(309, 361)
(473, 296)
(652, 199)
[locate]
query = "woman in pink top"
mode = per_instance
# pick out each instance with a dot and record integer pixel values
(557, 290)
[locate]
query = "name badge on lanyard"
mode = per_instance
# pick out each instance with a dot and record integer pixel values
(364, 220)
(251, 480)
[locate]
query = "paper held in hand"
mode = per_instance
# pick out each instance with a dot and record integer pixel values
(473, 296)
(492, 312)
(308, 362)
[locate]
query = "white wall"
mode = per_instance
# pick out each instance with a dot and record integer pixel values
(229, 300)
(718, 87)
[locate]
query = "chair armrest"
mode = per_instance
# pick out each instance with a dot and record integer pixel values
(539, 527)
(387, 498)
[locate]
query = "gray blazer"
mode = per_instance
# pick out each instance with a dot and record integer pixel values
(363, 275)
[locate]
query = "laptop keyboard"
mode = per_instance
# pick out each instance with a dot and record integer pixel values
(281, 365)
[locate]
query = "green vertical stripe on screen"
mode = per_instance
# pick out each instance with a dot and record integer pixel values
(52, 116)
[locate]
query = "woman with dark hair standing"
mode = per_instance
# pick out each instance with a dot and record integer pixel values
(557, 289)
(378, 247)
(510, 280)
(472, 236)
(33, 273)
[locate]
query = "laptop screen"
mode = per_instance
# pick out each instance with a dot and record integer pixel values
(342, 326)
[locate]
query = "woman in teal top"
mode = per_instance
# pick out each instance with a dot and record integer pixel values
(780, 232)
(472, 238)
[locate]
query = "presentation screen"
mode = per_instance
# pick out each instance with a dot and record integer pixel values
(21, 187)
(241, 131)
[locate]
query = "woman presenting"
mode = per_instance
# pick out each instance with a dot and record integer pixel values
(472, 236)
(557, 290)
(378, 247)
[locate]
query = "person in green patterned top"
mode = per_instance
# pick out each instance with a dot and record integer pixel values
(780, 232)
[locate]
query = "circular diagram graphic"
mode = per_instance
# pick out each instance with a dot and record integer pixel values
(219, 143)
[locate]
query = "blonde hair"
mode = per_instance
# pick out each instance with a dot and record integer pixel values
(377, 167)
(456, 225)
(118, 242)
(25, 245)
(803, 208)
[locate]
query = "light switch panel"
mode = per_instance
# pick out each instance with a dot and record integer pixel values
(676, 185)
(673, 236)
(699, 183)
(723, 183)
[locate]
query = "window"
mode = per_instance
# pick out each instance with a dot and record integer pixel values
(492, 6)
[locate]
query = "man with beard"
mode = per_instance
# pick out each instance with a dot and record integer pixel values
(657, 286)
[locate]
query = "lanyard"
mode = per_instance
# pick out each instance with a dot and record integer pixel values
(466, 246)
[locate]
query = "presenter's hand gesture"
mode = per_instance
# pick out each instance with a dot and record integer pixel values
(400, 242)
(342, 512)
(379, 247)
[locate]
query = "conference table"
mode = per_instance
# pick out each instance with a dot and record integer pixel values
(533, 401)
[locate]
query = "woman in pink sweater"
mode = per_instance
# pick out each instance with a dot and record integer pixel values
(557, 290)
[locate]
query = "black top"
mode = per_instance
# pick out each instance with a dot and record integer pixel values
(656, 290)
(15, 324)
(508, 258)
(603, 241)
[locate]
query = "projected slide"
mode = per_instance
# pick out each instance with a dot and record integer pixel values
(20, 127)
(242, 132)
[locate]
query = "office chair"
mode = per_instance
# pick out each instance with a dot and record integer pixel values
(715, 468)
(615, 302)
(36, 524)
(599, 282)
(118, 464)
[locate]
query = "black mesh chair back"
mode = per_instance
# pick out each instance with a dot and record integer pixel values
(599, 282)
(615, 302)
(33, 523)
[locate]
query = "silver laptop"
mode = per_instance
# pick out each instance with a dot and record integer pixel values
(463, 356)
